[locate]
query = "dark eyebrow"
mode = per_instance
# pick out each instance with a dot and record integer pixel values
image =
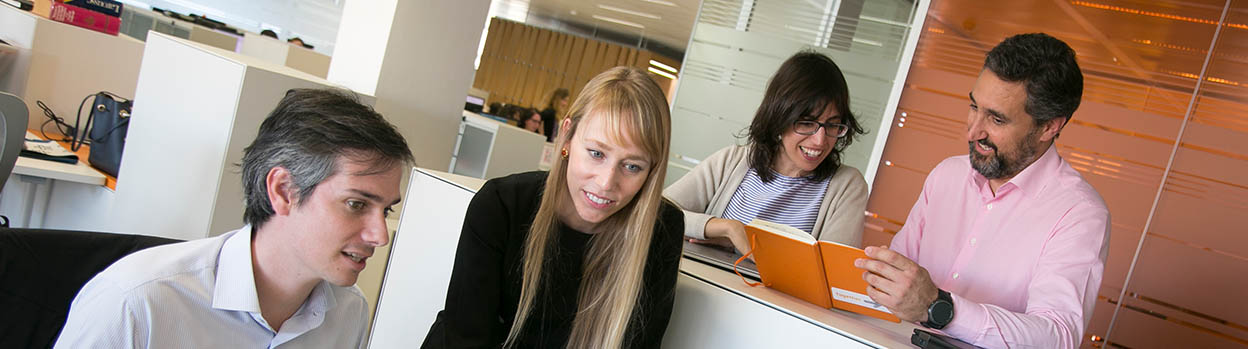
(374, 197)
(990, 111)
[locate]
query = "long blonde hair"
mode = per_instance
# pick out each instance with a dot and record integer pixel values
(612, 274)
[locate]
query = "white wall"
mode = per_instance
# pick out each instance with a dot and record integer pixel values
(424, 73)
(364, 33)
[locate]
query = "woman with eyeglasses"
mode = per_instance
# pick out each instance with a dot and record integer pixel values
(790, 172)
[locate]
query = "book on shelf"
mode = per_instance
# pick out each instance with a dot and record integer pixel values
(820, 272)
(106, 7)
(70, 14)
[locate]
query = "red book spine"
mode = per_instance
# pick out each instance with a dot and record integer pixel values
(81, 17)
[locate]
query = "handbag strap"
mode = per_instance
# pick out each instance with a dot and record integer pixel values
(80, 135)
(77, 139)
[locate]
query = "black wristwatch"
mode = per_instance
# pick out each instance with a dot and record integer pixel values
(940, 312)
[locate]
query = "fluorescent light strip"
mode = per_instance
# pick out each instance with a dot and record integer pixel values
(661, 2)
(663, 66)
(662, 73)
(618, 21)
(885, 21)
(868, 42)
(631, 12)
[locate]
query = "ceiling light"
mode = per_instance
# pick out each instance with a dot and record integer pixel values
(618, 21)
(661, 2)
(662, 73)
(663, 66)
(631, 12)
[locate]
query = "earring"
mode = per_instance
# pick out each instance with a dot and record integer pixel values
(564, 152)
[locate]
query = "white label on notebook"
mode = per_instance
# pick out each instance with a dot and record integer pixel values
(856, 298)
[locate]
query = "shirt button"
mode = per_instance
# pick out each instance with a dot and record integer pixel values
(955, 275)
(990, 207)
(972, 241)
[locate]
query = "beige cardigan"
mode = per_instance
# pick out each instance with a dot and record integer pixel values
(704, 193)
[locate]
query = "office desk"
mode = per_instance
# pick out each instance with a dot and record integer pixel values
(713, 308)
(41, 176)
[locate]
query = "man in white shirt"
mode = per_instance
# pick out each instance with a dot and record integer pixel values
(319, 180)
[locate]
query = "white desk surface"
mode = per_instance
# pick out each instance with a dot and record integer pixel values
(861, 328)
(472, 184)
(79, 172)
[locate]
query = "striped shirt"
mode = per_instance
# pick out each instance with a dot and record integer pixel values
(792, 201)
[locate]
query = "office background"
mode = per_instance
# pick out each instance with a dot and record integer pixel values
(1161, 132)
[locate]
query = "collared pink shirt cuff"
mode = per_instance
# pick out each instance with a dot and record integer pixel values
(969, 320)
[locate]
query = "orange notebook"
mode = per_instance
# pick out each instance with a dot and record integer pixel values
(791, 261)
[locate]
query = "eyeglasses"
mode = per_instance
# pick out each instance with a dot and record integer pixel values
(808, 127)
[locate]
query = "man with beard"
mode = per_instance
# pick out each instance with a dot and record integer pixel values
(1006, 246)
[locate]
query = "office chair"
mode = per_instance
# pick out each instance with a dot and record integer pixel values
(13, 119)
(41, 272)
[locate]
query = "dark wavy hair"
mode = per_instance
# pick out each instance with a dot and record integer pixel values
(306, 134)
(1046, 66)
(801, 89)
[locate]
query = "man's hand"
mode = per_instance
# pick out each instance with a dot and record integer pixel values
(897, 283)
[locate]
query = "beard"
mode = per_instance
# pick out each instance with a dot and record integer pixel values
(999, 165)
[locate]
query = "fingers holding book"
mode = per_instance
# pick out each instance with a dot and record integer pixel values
(898, 283)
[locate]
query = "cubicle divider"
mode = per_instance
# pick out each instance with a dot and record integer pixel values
(68, 63)
(179, 176)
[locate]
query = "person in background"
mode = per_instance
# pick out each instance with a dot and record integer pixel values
(269, 33)
(584, 256)
(319, 180)
(298, 42)
(533, 122)
(555, 106)
(1006, 246)
(496, 108)
(790, 172)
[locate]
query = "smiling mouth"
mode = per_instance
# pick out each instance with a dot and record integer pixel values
(810, 153)
(598, 200)
(984, 147)
(358, 258)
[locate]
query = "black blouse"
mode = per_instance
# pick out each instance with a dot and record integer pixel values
(485, 283)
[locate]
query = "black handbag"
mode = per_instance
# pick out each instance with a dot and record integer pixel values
(106, 127)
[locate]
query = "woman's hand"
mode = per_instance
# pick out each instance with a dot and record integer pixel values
(728, 233)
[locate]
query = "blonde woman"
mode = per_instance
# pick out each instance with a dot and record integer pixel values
(584, 256)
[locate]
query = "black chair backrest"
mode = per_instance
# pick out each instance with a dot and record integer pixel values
(13, 119)
(42, 270)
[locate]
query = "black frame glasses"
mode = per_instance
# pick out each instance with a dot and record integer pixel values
(810, 127)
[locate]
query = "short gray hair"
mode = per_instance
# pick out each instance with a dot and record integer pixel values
(308, 131)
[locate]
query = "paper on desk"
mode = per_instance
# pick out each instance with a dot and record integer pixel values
(39, 145)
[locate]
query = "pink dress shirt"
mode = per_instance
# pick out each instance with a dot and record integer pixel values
(1023, 266)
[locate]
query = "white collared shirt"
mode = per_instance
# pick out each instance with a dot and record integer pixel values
(202, 294)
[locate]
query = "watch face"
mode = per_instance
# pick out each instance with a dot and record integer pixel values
(942, 312)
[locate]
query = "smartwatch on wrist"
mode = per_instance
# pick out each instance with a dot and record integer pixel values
(940, 312)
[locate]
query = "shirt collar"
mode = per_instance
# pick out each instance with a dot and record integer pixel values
(1035, 176)
(235, 287)
(1030, 180)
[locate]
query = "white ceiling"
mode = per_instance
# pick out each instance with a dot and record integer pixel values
(668, 22)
